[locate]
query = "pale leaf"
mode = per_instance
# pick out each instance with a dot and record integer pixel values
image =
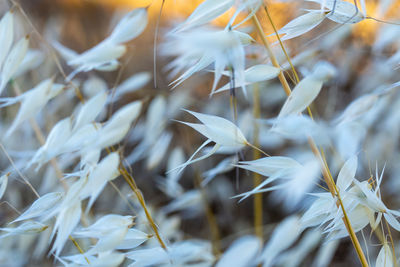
(206, 12)
(344, 12)
(269, 166)
(66, 221)
(132, 84)
(65, 52)
(6, 35)
(159, 150)
(105, 171)
(133, 239)
(42, 206)
(109, 242)
(125, 115)
(301, 97)
(284, 235)
(103, 52)
(254, 74)
(32, 60)
(3, 184)
(130, 26)
(90, 110)
(392, 221)
(220, 130)
(347, 173)
(103, 226)
(13, 61)
(34, 100)
(384, 258)
(301, 25)
(107, 259)
(189, 199)
(148, 257)
(241, 253)
(30, 227)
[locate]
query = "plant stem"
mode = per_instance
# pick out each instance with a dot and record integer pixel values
(296, 76)
(132, 184)
(258, 149)
(325, 170)
(335, 193)
(281, 44)
(79, 249)
(271, 55)
(212, 221)
(258, 205)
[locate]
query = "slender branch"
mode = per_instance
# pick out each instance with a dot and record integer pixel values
(212, 221)
(258, 205)
(271, 55)
(132, 184)
(325, 170)
(258, 149)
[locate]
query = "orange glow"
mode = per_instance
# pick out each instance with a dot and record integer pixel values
(172, 8)
(366, 29)
(124, 3)
(280, 12)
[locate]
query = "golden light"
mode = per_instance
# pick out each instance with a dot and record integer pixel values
(366, 29)
(281, 13)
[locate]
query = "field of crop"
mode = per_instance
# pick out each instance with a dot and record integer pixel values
(227, 133)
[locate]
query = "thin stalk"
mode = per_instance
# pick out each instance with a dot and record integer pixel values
(258, 205)
(281, 44)
(132, 184)
(271, 55)
(232, 97)
(124, 198)
(212, 221)
(297, 80)
(325, 170)
(79, 248)
(335, 193)
(258, 149)
(233, 105)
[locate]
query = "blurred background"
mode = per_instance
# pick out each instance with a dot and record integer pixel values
(81, 24)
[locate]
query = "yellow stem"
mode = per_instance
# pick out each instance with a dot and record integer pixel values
(132, 184)
(325, 170)
(297, 80)
(281, 44)
(258, 205)
(233, 105)
(79, 248)
(335, 193)
(271, 55)
(212, 221)
(258, 149)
